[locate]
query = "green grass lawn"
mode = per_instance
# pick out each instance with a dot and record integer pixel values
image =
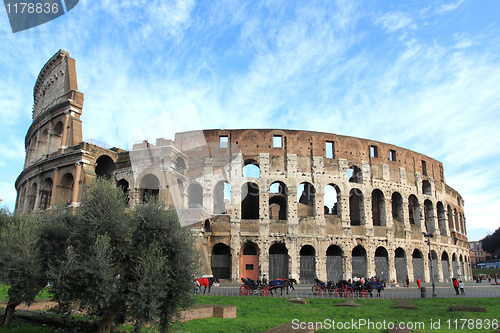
(256, 314)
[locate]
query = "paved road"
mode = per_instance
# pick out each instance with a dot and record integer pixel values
(472, 289)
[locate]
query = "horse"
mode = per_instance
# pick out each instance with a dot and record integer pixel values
(281, 284)
(207, 282)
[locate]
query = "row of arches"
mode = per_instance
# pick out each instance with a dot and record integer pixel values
(306, 203)
(44, 142)
(336, 263)
(39, 196)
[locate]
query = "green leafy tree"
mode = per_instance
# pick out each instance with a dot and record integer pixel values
(491, 243)
(20, 262)
(95, 261)
(120, 264)
(167, 262)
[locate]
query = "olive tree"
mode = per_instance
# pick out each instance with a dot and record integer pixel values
(120, 263)
(20, 262)
(167, 261)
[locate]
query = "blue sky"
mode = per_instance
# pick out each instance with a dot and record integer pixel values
(418, 74)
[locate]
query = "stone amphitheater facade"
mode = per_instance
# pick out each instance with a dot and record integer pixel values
(260, 202)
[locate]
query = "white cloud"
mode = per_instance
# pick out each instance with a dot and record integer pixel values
(448, 7)
(394, 21)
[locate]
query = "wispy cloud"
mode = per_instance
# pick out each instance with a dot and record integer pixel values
(394, 21)
(443, 9)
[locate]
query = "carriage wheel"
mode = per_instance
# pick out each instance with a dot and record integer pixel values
(264, 292)
(363, 294)
(319, 290)
(244, 290)
(331, 291)
(348, 292)
(313, 289)
(339, 292)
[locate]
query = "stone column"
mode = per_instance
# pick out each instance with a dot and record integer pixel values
(64, 136)
(55, 181)
(293, 254)
(76, 186)
(391, 261)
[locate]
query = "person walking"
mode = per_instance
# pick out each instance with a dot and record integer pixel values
(407, 281)
(419, 283)
(461, 286)
(455, 285)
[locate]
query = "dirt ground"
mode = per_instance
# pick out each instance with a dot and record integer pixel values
(40, 304)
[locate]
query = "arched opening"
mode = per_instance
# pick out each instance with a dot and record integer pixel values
(46, 193)
(434, 262)
(426, 187)
(180, 165)
(429, 216)
(278, 261)
(306, 200)
(356, 208)
(251, 169)
(462, 267)
(250, 201)
(450, 219)
(445, 266)
(359, 262)
(221, 261)
(149, 187)
(331, 199)
(382, 263)
(56, 137)
(32, 197)
(222, 197)
(401, 266)
(418, 265)
(466, 268)
(65, 189)
(414, 210)
(378, 208)
(104, 167)
(454, 265)
(397, 207)
(195, 195)
(441, 219)
(334, 264)
(355, 175)
(124, 186)
(462, 224)
(278, 201)
(206, 226)
(249, 267)
(42, 144)
(457, 225)
(307, 264)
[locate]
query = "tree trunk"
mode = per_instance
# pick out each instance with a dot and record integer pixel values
(9, 314)
(105, 323)
(11, 307)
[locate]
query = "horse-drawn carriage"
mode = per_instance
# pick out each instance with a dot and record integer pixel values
(250, 286)
(320, 288)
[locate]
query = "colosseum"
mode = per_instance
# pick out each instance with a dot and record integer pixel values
(260, 202)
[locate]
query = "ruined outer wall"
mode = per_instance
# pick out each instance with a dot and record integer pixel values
(303, 158)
